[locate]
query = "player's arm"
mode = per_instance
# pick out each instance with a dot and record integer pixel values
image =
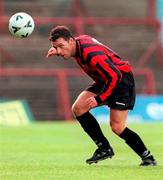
(51, 52)
(109, 72)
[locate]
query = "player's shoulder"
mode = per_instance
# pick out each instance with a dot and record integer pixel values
(84, 38)
(88, 41)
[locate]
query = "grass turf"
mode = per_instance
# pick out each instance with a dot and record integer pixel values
(45, 151)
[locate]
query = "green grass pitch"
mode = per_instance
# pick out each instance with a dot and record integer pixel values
(58, 150)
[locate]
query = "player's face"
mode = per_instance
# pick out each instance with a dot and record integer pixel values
(65, 48)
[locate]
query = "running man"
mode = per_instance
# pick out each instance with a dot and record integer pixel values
(113, 86)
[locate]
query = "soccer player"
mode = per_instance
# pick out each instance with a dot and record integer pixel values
(113, 86)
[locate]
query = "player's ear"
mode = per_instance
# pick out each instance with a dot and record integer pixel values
(71, 40)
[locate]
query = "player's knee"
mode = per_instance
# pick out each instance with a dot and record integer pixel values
(116, 128)
(76, 109)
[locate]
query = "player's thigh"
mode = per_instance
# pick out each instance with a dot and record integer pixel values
(118, 120)
(79, 105)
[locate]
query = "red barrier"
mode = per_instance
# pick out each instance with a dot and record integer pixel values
(63, 92)
(79, 21)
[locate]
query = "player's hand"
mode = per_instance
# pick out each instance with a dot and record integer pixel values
(51, 52)
(91, 102)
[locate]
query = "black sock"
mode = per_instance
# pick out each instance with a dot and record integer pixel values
(92, 128)
(135, 142)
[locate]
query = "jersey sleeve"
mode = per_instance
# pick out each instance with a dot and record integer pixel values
(108, 72)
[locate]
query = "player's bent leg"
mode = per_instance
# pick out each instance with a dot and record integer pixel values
(79, 107)
(118, 125)
(118, 120)
(92, 128)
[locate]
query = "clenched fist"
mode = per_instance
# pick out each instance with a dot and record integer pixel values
(91, 102)
(51, 52)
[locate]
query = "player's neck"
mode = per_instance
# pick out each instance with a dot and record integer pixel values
(74, 49)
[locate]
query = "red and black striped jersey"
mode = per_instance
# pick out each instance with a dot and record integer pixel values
(101, 63)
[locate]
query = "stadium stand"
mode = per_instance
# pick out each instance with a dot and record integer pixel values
(129, 28)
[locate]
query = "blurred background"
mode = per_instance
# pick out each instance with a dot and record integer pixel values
(49, 86)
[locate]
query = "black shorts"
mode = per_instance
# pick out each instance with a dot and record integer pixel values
(123, 97)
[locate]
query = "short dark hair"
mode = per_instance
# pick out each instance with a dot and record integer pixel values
(60, 31)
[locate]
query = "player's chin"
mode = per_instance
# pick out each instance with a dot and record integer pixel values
(66, 57)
